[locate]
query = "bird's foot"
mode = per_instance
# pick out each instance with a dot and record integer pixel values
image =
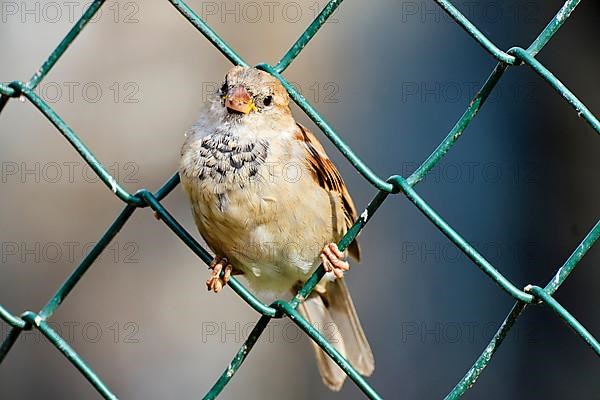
(333, 260)
(215, 282)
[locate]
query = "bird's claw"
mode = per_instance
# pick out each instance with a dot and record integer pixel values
(333, 261)
(216, 282)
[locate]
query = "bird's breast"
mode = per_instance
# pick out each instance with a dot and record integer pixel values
(223, 163)
(257, 205)
(233, 182)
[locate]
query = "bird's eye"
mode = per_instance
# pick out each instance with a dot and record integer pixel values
(223, 89)
(267, 100)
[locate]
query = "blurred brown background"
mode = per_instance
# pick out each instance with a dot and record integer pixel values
(392, 78)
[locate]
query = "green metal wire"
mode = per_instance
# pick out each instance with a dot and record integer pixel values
(473, 373)
(239, 358)
(87, 262)
(475, 33)
(542, 295)
(308, 34)
(559, 19)
(69, 353)
(563, 272)
(395, 184)
(459, 127)
(87, 15)
(208, 33)
(328, 347)
(462, 244)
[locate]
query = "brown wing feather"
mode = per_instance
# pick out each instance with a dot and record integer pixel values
(329, 178)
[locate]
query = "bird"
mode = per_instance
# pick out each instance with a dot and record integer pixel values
(271, 205)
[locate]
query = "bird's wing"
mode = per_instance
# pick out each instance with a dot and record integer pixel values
(328, 177)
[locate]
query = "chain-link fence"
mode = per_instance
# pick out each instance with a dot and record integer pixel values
(531, 294)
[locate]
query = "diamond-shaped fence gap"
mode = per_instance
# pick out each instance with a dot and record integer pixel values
(318, 22)
(473, 373)
(22, 37)
(581, 78)
(29, 124)
(570, 292)
(325, 51)
(49, 369)
(557, 333)
(564, 99)
(476, 256)
(394, 184)
(226, 27)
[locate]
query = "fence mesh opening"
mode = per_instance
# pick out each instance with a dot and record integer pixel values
(531, 294)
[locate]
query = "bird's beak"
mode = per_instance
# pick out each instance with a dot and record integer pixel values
(239, 100)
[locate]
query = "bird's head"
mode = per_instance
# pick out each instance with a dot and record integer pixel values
(250, 91)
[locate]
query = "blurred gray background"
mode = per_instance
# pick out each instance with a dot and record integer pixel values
(392, 77)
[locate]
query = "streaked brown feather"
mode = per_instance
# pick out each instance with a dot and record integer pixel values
(328, 177)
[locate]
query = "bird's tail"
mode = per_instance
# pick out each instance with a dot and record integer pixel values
(333, 314)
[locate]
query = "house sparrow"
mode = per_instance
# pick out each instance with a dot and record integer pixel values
(271, 205)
